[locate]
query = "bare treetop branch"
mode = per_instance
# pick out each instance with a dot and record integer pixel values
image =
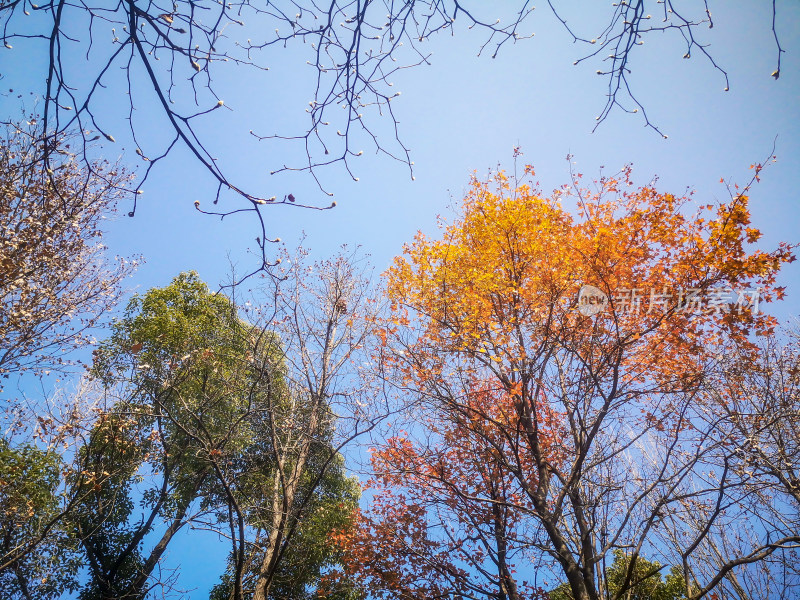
(171, 55)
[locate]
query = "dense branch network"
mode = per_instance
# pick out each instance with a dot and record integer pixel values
(165, 56)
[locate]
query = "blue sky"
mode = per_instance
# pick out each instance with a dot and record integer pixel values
(461, 114)
(458, 115)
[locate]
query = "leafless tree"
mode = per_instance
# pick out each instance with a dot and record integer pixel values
(323, 316)
(168, 54)
(753, 418)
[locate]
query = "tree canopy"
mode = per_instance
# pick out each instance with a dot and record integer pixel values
(557, 369)
(573, 395)
(201, 421)
(204, 430)
(56, 280)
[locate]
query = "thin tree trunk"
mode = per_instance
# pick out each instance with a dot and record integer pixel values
(282, 512)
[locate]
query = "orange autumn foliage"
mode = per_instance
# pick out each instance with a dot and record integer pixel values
(505, 276)
(526, 403)
(443, 513)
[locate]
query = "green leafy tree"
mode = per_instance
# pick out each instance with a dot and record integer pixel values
(638, 579)
(184, 379)
(330, 508)
(30, 512)
(326, 506)
(225, 424)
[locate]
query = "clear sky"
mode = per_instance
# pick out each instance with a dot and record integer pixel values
(461, 114)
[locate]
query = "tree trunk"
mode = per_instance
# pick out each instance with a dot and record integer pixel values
(282, 510)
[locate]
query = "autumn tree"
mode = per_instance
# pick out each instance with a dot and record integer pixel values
(596, 330)
(56, 280)
(445, 519)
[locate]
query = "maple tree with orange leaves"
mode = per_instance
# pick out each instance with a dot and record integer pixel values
(548, 435)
